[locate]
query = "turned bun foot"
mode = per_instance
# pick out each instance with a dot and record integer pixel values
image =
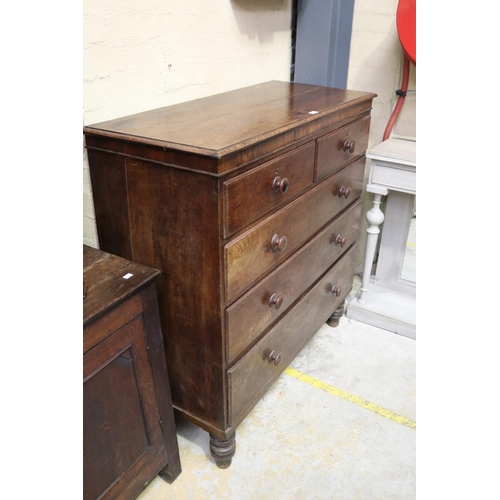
(223, 450)
(334, 319)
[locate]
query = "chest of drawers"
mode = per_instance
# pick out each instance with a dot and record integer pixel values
(129, 433)
(249, 204)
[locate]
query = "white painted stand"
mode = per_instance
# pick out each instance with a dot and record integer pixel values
(387, 300)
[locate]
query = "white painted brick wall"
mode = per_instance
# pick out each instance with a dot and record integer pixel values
(143, 54)
(375, 65)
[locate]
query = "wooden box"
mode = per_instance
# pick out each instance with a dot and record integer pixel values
(128, 424)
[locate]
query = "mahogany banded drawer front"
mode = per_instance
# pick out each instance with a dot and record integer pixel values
(252, 375)
(261, 189)
(248, 317)
(248, 202)
(251, 255)
(339, 147)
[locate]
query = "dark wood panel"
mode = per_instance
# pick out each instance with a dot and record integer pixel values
(103, 325)
(121, 431)
(251, 377)
(108, 280)
(247, 318)
(113, 428)
(174, 221)
(109, 191)
(163, 396)
(251, 255)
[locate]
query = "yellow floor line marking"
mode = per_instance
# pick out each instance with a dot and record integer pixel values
(410, 244)
(363, 403)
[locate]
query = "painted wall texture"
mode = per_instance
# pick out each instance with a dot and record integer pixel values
(144, 54)
(141, 55)
(376, 65)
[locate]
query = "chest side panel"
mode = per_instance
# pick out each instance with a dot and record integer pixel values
(109, 191)
(174, 225)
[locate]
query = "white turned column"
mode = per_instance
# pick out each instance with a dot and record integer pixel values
(375, 217)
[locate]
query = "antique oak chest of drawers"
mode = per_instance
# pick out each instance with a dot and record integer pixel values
(249, 204)
(129, 433)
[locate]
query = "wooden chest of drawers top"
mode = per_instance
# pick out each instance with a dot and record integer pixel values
(231, 129)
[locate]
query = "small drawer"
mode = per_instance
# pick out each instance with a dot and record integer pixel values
(401, 178)
(336, 149)
(247, 318)
(251, 255)
(253, 194)
(250, 377)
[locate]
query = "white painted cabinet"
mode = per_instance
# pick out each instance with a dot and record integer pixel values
(388, 299)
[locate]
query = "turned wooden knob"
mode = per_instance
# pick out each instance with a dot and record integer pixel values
(345, 192)
(340, 240)
(348, 146)
(276, 301)
(280, 185)
(275, 358)
(336, 290)
(278, 243)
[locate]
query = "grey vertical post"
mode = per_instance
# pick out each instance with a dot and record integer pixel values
(323, 41)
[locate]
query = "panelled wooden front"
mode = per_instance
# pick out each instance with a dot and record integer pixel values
(120, 428)
(249, 204)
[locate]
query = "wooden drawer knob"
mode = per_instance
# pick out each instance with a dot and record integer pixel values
(275, 358)
(280, 185)
(276, 301)
(345, 192)
(336, 290)
(348, 146)
(340, 241)
(278, 243)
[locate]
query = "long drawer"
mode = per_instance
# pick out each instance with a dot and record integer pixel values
(264, 188)
(250, 377)
(252, 254)
(339, 147)
(248, 317)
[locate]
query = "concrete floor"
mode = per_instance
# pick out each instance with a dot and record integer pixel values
(338, 424)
